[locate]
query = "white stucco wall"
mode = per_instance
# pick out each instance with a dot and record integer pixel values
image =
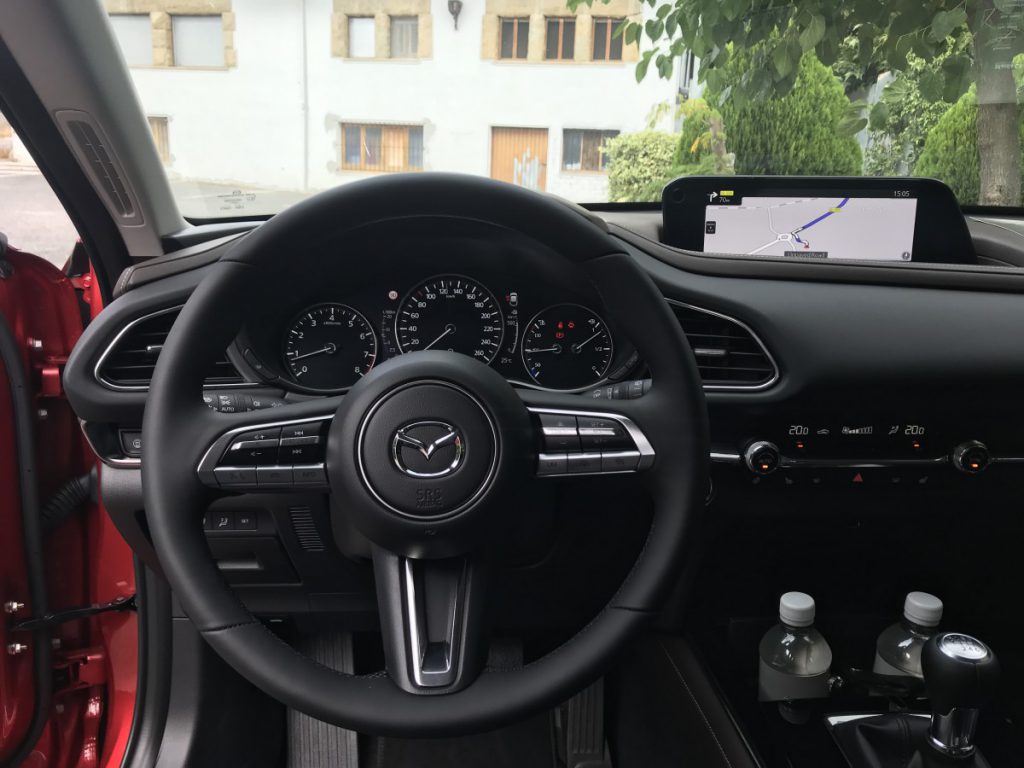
(245, 125)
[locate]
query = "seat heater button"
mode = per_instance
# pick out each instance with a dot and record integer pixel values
(271, 476)
(551, 464)
(559, 432)
(583, 463)
(231, 477)
(606, 434)
(309, 474)
(620, 461)
(220, 521)
(310, 429)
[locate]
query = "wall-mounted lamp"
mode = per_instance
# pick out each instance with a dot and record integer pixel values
(455, 8)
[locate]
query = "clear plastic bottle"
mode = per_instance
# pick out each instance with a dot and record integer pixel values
(898, 651)
(795, 658)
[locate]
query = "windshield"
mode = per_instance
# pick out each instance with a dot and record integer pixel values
(254, 105)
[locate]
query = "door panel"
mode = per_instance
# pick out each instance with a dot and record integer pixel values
(520, 156)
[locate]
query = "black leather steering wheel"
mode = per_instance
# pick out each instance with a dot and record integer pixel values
(428, 530)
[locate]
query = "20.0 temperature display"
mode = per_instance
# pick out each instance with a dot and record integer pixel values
(567, 347)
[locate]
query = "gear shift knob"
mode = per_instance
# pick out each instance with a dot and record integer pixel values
(961, 674)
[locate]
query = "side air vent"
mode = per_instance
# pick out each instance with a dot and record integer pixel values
(728, 353)
(129, 361)
(99, 161)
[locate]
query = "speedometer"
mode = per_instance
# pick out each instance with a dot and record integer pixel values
(329, 347)
(451, 312)
(567, 347)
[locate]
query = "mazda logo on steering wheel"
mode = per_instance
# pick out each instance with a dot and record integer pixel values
(428, 449)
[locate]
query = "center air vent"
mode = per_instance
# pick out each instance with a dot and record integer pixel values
(129, 361)
(729, 355)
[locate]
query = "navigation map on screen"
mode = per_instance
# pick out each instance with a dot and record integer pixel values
(872, 228)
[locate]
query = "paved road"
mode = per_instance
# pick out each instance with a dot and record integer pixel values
(31, 216)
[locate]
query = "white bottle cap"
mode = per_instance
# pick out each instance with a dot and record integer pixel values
(796, 609)
(922, 609)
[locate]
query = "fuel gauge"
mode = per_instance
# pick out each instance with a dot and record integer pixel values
(567, 347)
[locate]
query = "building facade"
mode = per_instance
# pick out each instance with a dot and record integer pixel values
(307, 94)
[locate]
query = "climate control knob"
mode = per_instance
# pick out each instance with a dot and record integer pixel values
(971, 457)
(762, 457)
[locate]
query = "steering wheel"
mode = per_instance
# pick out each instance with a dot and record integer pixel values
(428, 456)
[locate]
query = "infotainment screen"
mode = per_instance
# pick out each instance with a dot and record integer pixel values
(815, 227)
(817, 218)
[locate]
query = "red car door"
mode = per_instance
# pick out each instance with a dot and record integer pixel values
(67, 668)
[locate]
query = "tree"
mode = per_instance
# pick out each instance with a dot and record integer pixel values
(951, 149)
(886, 32)
(792, 134)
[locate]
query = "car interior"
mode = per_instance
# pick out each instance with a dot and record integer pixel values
(430, 469)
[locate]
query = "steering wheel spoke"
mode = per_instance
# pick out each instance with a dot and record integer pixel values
(574, 438)
(274, 449)
(431, 618)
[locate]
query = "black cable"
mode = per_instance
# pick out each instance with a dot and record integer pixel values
(32, 531)
(65, 502)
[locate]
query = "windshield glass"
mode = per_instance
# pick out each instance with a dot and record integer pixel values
(254, 105)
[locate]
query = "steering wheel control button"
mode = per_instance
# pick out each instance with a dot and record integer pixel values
(560, 432)
(309, 474)
(619, 461)
(273, 476)
(602, 434)
(427, 449)
(762, 457)
(583, 463)
(299, 450)
(294, 431)
(552, 464)
(971, 457)
(234, 477)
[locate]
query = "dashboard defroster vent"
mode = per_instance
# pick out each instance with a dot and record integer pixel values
(729, 354)
(129, 361)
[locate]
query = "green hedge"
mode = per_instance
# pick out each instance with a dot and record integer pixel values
(951, 150)
(639, 165)
(795, 134)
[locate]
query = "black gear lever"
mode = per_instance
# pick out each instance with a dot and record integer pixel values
(961, 674)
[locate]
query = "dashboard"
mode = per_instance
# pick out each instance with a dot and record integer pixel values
(500, 302)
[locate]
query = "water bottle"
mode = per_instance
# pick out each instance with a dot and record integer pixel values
(795, 658)
(898, 651)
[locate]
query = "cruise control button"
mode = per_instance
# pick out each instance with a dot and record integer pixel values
(230, 477)
(272, 476)
(559, 432)
(551, 464)
(619, 461)
(309, 474)
(583, 463)
(605, 434)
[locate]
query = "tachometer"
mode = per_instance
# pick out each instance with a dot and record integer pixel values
(450, 312)
(567, 347)
(329, 347)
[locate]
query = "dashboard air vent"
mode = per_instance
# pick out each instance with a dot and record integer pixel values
(128, 363)
(728, 353)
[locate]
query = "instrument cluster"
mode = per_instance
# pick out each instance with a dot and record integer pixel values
(534, 338)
